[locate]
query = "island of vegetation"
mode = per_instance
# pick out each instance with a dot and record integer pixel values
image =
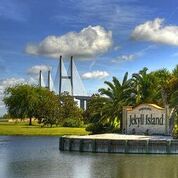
(54, 114)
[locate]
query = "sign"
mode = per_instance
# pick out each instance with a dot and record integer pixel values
(146, 119)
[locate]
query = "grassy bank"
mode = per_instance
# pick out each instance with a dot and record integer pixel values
(36, 130)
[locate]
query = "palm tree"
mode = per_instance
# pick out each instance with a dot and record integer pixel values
(117, 95)
(161, 81)
(175, 71)
(143, 87)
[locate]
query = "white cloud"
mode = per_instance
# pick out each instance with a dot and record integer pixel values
(124, 58)
(156, 31)
(33, 73)
(10, 82)
(89, 42)
(117, 48)
(95, 75)
(34, 70)
(135, 55)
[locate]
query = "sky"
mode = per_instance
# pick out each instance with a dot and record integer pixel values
(106, 37)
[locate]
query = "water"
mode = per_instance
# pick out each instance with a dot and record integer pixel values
(39, 157)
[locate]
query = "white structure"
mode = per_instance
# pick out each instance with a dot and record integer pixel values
(67, 81)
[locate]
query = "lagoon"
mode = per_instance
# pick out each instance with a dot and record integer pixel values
(39, 157)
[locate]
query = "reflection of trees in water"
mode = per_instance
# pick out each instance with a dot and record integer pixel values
(104, 165)
(36, 157)
(146, 166)
(133, 166)
(40, 157)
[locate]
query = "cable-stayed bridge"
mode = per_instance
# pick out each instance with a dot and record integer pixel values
(67, 81)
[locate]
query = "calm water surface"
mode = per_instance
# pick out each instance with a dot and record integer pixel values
(28, 157)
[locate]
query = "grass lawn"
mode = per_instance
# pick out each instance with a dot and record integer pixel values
(7, 128)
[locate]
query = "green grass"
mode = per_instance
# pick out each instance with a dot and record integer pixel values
(36, 130)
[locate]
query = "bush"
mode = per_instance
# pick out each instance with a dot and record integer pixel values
(116, 130)
(73, 122)
(99, 128)
(95, 128)
(175, 132)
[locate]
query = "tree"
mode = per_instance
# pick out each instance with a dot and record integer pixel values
(21, 101)
(106, 108)
(118, 95)
(143, 87)
(26, 101)
(94, 113)
(175, 71)
(49, 109)
(72, 115)
(161, 80)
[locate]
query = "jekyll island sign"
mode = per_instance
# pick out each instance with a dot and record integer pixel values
(145, 119)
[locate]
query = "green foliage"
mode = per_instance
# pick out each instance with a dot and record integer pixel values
(21, 101)
(71, 122)
(143, 87)
(104, 112)
(5, 116)
(96, 128)
(26, 101)
(105, 109)
(175, 71)
(72, 115)
(174, 99)
(161, 80)
(49, 109)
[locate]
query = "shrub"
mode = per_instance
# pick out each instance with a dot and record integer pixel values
(73, 122)
(98, 127)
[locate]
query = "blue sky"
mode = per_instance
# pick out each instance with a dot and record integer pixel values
(106, 37)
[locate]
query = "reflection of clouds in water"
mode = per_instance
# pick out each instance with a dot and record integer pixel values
(4, 142)
(40, 157)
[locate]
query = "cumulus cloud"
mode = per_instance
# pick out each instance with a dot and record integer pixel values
(95, 75)
(8, 83)
(89, 42)
(124, 58)
(34, 70)
(156, 31)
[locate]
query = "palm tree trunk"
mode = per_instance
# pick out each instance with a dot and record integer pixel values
(171, 120)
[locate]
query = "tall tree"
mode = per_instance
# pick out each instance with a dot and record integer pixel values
(26, 101)
(161, 81)
(70, 110)
(175, 71)
(21, 101)
(49, 109)
(118, 95)
(143, 87)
